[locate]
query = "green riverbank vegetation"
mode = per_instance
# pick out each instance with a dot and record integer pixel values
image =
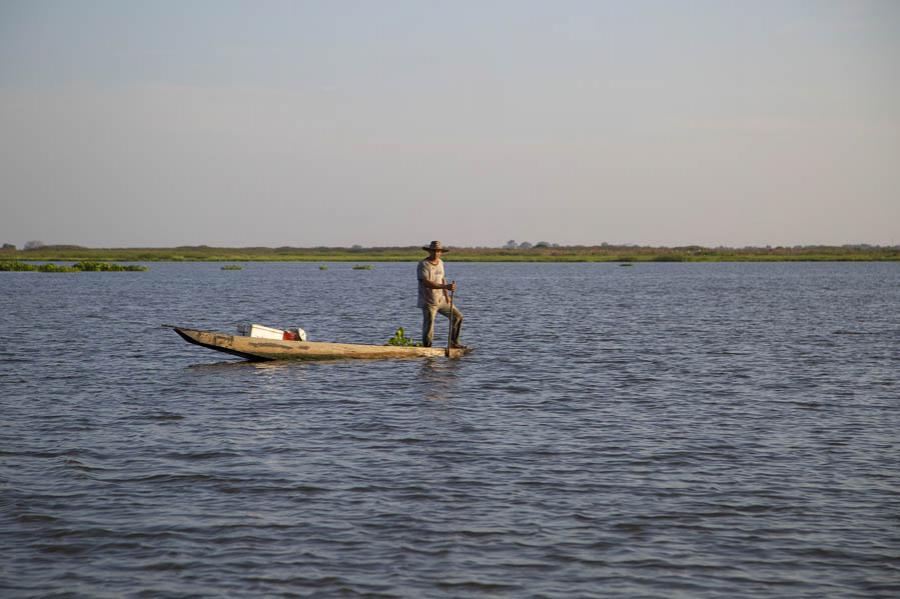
(541, 252)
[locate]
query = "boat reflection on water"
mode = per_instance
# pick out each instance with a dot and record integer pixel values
(440, 377)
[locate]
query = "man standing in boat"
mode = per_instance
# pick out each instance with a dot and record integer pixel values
(433, 296)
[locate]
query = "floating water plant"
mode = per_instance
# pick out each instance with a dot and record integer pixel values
(323, 267)
(232, 267)
(363, 267)
(84, 266)
(108, 267)
(401, 339)
(626, 264)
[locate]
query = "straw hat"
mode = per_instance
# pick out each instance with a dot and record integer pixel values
(435, 247)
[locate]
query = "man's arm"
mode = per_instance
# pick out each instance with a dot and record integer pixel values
(424, 280)
(444, 285)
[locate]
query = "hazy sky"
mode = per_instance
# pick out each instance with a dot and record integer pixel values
(473, 122)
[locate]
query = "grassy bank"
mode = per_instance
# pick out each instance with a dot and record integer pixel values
(401, 254)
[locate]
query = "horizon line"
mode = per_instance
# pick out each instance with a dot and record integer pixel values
(519, 246)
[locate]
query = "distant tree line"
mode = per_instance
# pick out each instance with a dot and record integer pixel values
(527, 245)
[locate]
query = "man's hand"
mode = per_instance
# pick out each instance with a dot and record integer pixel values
(451, 286)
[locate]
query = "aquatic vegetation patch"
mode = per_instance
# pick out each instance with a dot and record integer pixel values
(323, 267)
(232, 267)
(84, 266)
(14, 266)
(55, 268)
(400, 339)
(363, 267)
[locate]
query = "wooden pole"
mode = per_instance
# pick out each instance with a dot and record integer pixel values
(450, 333)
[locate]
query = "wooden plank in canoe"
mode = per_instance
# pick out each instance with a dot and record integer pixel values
(254, 348)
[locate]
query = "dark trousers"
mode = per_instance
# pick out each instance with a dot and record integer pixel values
(428, 315)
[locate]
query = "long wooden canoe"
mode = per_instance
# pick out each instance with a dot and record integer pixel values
(254, 348)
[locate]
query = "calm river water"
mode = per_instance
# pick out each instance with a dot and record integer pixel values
(659, 430)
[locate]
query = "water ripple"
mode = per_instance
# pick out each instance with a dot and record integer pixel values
(669, 430)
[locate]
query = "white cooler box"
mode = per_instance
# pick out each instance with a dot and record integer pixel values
(258, 330)
(263, 332)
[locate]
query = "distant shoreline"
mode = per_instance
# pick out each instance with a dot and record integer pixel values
(605, 253)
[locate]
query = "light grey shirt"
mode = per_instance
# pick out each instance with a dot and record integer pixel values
(427, 271)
